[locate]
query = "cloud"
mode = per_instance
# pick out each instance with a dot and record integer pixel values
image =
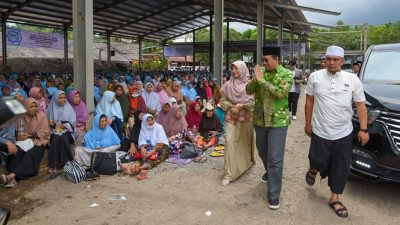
(353, 12)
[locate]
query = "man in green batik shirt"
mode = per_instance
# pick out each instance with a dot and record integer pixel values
(271, 118)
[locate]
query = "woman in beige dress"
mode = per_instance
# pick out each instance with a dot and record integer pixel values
(239, 131)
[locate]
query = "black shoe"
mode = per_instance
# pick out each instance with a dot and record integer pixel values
(264, 178)
(273, 204)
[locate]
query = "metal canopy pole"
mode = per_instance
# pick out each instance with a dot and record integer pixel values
(227, 46)
(299, 50)
(66, 46)
(260, 31)
(194, 50)
(108, 37)
(218, 38)
(82, 11)
(211, 44)
(291, 44)
(4, 39)
(280, 32)
(140, 52)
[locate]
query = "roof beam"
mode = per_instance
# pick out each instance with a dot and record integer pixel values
(177, 23)
(107, 6)
(298, 7)
(18, 7)
(169, 7)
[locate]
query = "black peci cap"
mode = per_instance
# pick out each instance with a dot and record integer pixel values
(272, 51)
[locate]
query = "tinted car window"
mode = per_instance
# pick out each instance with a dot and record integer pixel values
(382, 66)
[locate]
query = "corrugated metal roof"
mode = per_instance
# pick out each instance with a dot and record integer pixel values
(149, 19)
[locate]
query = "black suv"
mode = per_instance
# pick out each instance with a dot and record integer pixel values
(379, 159)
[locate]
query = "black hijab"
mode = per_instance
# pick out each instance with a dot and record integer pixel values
(201, 91)
(134, 135)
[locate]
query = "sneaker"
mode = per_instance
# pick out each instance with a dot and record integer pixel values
(273, 204)
(294, 117)
(264, 178)
(225, 182)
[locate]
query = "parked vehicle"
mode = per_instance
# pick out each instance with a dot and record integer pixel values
(379, 159)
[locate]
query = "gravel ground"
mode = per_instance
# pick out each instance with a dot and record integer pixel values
(184, 194)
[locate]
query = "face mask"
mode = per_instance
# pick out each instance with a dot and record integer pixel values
(135, 95)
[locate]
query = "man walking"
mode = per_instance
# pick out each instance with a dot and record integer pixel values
(294, 92)
(271, 118)
(329, 96)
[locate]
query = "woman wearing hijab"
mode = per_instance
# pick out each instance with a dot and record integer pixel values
(153, 148)
(217, 92)
(175, 127)
(139, 86)
(208, 89)
(24, 163)
(151, 99)
(201, 92)
(110, 107)
(240, 137)
(123, 101)
(209, 127)
(101, 138)
(18, 96)
(82, 115)
(174, 123)
(37, 94)
(62, 121)
(175, 91)
(194, 115)
(136, 101)
(17, 88)
(161, 116)
(162, 94)
(134, 133)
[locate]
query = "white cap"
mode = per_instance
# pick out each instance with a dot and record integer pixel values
(335, 51)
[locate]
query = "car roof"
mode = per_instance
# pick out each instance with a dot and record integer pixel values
(394, 46)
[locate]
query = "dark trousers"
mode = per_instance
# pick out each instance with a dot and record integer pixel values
(332, 159)
(270, 144)
(293, 98)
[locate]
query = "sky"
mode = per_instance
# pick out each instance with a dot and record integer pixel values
(354, 12)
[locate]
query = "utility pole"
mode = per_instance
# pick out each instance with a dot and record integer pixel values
(365, 28)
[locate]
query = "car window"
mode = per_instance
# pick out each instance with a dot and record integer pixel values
(382, 66)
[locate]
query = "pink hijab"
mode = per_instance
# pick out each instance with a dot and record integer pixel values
(172, 124)
(162, 94)
(235, 89)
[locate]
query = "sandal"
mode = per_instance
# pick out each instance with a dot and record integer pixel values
(10, 184)
(310, 176)
(142, 175)
(342, 211)
(217, 153)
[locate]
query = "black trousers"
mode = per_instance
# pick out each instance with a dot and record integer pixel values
(293, 98)
(332, 159)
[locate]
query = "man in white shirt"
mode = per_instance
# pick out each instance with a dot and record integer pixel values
(330, 93)
(294, 92)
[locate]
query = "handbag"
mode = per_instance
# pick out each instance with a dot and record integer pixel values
(74, 172)
(189, 150)
(104, 163)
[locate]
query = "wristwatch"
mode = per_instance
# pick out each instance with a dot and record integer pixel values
(364, 130)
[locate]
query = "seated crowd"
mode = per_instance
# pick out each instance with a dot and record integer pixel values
(149, 117)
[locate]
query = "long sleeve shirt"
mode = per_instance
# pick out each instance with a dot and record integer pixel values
(271, 98)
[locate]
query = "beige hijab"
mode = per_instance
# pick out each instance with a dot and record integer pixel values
(37, 123)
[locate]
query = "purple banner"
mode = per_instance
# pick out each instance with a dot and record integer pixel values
(32, 39)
